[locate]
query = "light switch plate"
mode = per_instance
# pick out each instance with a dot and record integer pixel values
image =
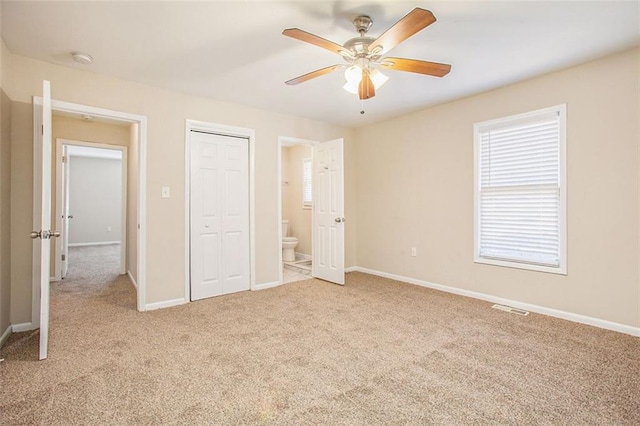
(166, 192)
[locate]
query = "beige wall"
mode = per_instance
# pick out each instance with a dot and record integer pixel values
(95, 200)
(132, 202)
(5, 211)
(21, 208)
(166, 113)
(299, 218)
(415, 189)
(5, 198)
(75, 129)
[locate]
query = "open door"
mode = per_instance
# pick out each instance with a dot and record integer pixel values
(42, 234)
(328, 211)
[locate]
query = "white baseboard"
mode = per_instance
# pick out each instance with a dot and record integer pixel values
(25, 326)
(135, 284)
(596, 322)
(164, 304)
(302, 256)
(98, 243)
(5, 335)
(264, 286)
(352, 269)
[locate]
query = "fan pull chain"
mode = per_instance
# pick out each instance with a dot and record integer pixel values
(361, 106)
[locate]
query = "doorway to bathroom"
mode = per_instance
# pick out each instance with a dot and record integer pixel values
(310, 210)
(296, 201)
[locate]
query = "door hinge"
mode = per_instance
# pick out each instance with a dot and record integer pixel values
(64, 159)
(64, 257)
(42, 129)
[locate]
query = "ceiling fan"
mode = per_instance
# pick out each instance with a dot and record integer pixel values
(364, 55)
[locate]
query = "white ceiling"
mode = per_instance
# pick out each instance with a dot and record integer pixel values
(234, 51)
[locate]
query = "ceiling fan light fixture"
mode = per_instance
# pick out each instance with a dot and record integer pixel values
(353, 75)
(377, 78)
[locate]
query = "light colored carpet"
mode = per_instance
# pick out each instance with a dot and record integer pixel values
(375, 351)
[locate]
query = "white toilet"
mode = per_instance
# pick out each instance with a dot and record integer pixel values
(288, 243)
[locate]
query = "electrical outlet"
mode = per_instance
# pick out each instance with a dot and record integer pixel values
(414, 251)
(166, 192)
(108, 229)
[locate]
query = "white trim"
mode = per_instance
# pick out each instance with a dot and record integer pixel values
(142, 188)
(561, 110)
(133, 281)
(97, 243)
(221, 129)
(303, 256)
(282, 142)
(583, 319)
(5, 335)
(352, 269)
(24, 326)
(164, 304)
(265, 286)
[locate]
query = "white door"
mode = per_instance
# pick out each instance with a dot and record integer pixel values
(328, 211)
(42, 233)
(65, 212)
(219, 208)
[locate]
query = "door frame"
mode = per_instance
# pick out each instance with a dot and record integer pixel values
(222, 130)
(282, 142)
(59, 143)
(141, 120)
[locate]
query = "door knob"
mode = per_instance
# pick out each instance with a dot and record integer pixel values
(340, 219)
(45, 235)
(70, 216)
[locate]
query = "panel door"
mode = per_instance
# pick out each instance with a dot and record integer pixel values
(42, 232)
(219, 245)
(328, 212)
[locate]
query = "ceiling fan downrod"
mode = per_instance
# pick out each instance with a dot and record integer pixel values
(362, 24)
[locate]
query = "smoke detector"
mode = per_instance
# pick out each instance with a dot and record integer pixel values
(82, 58)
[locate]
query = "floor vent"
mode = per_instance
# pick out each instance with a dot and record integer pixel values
(510, 309)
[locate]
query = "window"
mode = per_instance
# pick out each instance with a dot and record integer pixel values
(520, 192)
(307, 187)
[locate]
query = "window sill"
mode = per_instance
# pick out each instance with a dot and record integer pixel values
(562, 270)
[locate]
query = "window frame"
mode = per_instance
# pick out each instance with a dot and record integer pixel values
(480, 127)
(307, 205)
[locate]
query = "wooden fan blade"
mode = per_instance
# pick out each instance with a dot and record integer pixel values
(366, 89)
(312, 74)
(414, 21)
(301, 35)
(412, 65)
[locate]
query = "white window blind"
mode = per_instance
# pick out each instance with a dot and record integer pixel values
(307, 187)
(519, 184)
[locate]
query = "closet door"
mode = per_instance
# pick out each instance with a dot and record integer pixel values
(219, 210)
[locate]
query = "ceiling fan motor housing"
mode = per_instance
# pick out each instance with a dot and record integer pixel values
(359, 46)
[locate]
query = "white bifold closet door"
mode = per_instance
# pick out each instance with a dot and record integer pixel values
(219, 205)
